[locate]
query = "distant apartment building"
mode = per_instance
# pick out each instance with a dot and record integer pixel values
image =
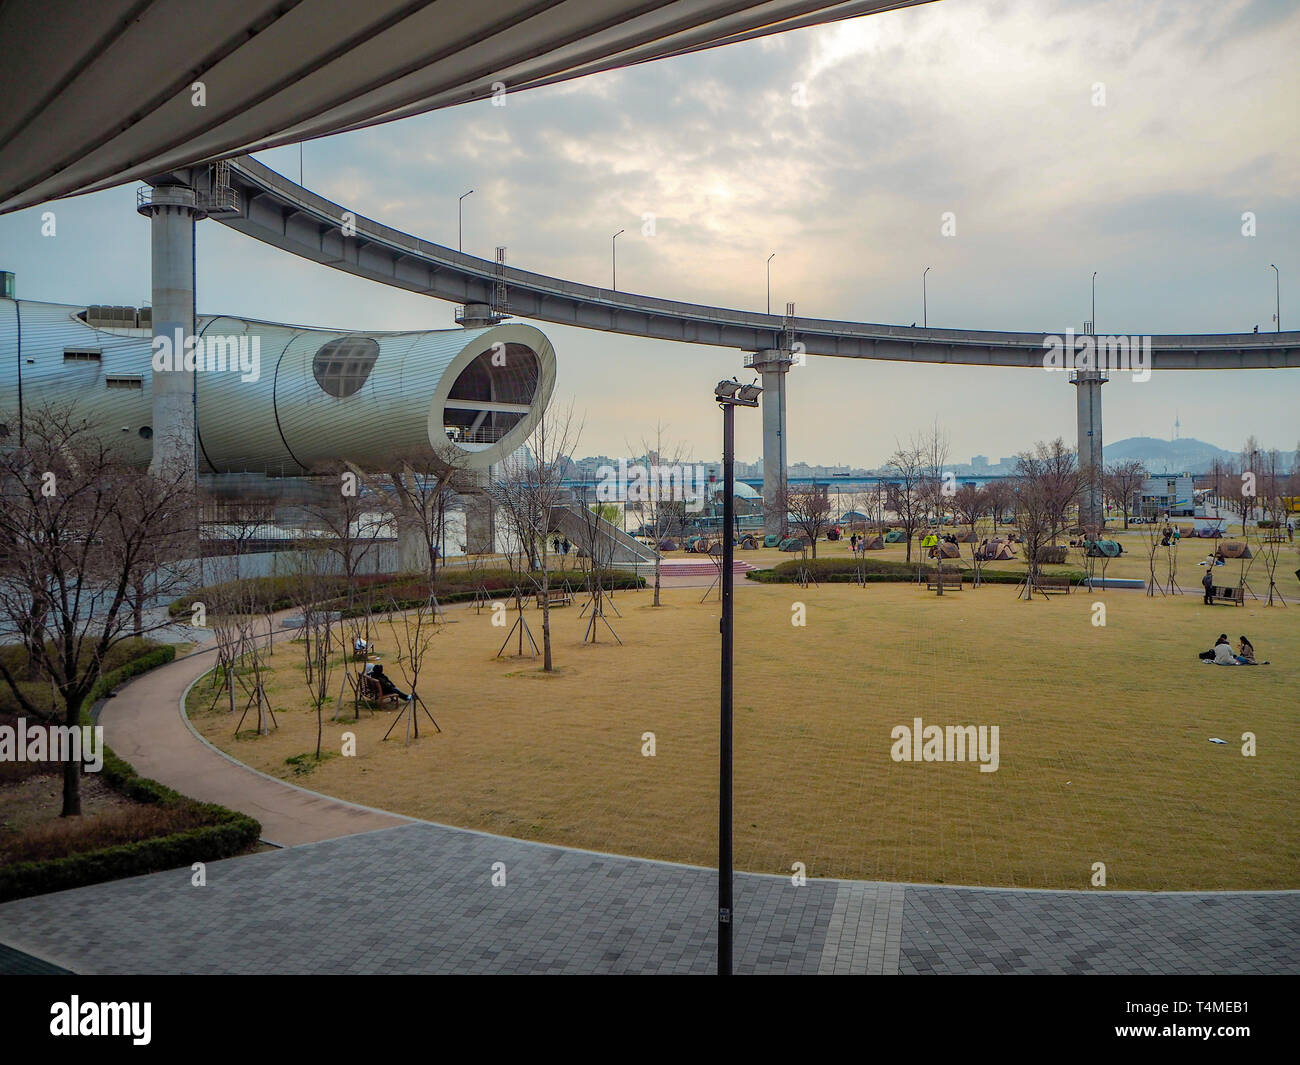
(979, 462)
(1171, 494)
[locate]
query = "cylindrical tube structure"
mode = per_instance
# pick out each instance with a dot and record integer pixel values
(285, 400)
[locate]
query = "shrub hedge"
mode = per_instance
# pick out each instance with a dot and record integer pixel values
(228, 834)
(451, 585)
(845, 571)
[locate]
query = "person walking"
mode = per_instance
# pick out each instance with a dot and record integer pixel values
(1207, 582)
(1290, 531)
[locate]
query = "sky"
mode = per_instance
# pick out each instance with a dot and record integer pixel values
(1126, 137)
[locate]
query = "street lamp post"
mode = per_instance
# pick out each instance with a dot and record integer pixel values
(1094, 303)
(730, 395)
(613, 258)
(460, 214)
(925, 311)
(769, 282)
(1277, 297)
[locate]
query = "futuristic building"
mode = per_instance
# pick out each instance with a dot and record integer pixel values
(282, 400)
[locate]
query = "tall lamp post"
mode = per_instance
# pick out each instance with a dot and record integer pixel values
(1277, 297)
(613, 258)
(769, 282)
(925, 311)
(460, 228)
(730, 395)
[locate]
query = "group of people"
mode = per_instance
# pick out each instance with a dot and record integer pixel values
(1222, 654)
(561, 546)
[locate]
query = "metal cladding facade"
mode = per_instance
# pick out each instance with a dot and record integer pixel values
(313, 397)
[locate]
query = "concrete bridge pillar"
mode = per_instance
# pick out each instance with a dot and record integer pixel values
(1092, 507)
(172, 211)
(773, 364)
(412, 542)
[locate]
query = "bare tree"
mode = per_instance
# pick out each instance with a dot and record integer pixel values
(810, 510)
(908, 469)
(533, 493)
(971, 503)
(1034, 488)
(665, 512)
(1121, 482)
(77, 522)
(413, 639)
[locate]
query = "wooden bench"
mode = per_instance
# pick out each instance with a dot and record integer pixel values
(949, 579)
(1052, 584)
(368, 689)
(1221, 594)
(555, 597)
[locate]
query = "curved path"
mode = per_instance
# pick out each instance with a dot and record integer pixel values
(362, 891)
(143, 725)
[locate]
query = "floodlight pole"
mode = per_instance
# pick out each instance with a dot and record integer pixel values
(724, 764)
(729, 395)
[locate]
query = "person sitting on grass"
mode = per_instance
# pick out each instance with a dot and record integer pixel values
(1246, 654)
(1223, 654)
(386, 686)
(1212, 654)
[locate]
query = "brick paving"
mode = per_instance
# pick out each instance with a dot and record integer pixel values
(419, 898)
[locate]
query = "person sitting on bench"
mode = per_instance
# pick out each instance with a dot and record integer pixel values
(359, 646)
(386, 686)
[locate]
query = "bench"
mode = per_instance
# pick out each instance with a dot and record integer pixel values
(369, 690)
(949, 579)
(1220, 594)
(555, 597)
(1052, 584)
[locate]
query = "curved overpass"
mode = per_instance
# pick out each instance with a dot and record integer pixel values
(277, 211)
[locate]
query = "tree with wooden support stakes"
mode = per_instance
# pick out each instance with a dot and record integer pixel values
(532, 493)
(413, 638)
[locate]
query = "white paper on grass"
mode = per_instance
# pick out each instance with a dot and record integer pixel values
(1215, 739)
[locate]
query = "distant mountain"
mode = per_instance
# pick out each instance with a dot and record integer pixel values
(1177, 456)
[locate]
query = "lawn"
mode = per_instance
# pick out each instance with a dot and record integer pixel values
(1103, 731)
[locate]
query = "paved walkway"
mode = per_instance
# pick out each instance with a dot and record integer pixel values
(420, 899)
(143, 724)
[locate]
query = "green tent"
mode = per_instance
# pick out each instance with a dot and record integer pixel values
(894, 536)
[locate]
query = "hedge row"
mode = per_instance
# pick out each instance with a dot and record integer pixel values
(845, 571)
(230, 832)
(451, 586)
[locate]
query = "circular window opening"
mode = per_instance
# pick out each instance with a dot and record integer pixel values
(146, 432)
(342, 366)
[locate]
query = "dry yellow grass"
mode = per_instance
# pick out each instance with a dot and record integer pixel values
(1103, 737)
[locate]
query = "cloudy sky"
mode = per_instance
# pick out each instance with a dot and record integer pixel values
(1122, 136)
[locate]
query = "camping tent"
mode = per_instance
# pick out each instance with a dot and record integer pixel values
(1233, 549)
(876, 543)
(1109, 548)
(948, 550)
(895, 536)
(966, 537)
